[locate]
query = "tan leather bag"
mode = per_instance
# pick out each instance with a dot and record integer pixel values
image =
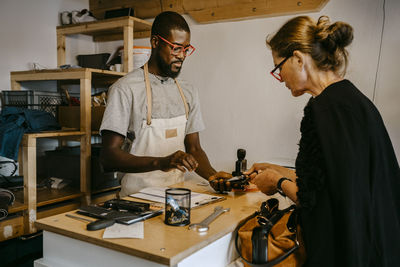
(270, 237)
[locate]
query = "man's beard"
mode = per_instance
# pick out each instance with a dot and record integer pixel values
(167, 69)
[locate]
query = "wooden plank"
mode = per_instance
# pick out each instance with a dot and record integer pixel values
(86, 116)
(18, 204)
(15, 85)
(114, 188)
(54, 134)
(11, 228)
(49, 75)
(100, 198)
(205, 11)
(60, 49)
(128, 49)
(57, 210)
(255, 10)
(113, 25)
(52, 196)
(172, 5)
(20, 166)
(70, 76)
(29, 163)
(119, 36)
(142, 8)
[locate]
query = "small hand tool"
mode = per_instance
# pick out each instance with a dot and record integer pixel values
(93, 225)
(203, 225)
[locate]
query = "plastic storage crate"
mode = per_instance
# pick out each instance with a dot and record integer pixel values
(39, 100)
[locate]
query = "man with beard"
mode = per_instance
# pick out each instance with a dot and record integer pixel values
(159, 114)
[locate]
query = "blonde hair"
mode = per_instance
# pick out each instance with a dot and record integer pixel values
(325, 42)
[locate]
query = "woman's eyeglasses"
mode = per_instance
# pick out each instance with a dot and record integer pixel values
(177, 49)
(275, 72)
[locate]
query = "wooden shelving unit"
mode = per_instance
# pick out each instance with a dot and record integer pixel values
(123, 28)
(33, 203)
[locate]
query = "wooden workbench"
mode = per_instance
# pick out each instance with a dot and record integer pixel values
(162, 245)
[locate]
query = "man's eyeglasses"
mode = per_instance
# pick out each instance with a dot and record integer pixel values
(177, 49)
(275, 72)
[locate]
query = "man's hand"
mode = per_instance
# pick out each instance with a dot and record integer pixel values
(219, 182)
(179, 160)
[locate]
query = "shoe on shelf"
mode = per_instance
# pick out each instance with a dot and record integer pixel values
(65, 18)
(81, 16)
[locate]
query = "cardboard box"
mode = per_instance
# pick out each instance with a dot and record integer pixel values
(69, 116)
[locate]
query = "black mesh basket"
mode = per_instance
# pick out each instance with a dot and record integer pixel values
(32, 99)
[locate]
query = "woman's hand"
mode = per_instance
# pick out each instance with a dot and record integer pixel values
(258, 167)
(264, 177)
(267, 180)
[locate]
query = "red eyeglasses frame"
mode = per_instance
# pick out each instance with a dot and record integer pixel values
(175, 46)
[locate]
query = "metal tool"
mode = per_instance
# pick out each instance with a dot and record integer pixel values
(93, 225)
(203, 225)
(79, 218)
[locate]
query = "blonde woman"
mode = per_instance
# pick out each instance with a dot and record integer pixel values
(347, 179)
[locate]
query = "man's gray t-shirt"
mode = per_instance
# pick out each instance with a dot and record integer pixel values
(127, 107)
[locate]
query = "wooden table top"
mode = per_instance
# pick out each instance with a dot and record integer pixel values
(162, 243)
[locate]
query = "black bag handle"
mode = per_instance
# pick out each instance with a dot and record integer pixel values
(270, 263)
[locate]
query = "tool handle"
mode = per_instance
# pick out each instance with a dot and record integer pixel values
(99, 224)
(218, 211)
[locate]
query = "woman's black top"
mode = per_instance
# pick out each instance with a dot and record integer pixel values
(349, 182)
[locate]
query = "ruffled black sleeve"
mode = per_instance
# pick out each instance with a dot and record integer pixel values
(309, 163)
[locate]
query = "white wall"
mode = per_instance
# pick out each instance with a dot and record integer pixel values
(28, 35)
(243, 106)
(388, 80)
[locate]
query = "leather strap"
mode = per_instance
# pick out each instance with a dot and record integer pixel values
(279, 186)
(148, 93)
(183, 98)
(269, 263)
(150, 99)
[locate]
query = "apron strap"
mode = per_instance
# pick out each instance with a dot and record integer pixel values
(149, 95)
(148, 92)
(183, 98)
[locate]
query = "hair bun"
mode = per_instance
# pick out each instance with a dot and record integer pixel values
(333, 36)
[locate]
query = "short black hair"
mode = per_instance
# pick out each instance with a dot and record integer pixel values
(167, 21)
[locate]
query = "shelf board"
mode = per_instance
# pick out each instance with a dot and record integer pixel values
(50, 196)
(65, 74)
(17, 206)
(49, 134)
(45, 197)
(108, 29)
(106, 189)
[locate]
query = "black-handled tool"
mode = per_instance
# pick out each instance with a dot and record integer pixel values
(99, 224)
(239, 182)
(93, 225)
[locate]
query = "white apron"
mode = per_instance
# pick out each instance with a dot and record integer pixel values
(156, 138)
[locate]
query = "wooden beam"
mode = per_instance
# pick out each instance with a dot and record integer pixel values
(29, 172)
(86, 116)
(128, 48)
(142, 8)
(60, 49)
(206, 11)
(120, 36)
(255, 9)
